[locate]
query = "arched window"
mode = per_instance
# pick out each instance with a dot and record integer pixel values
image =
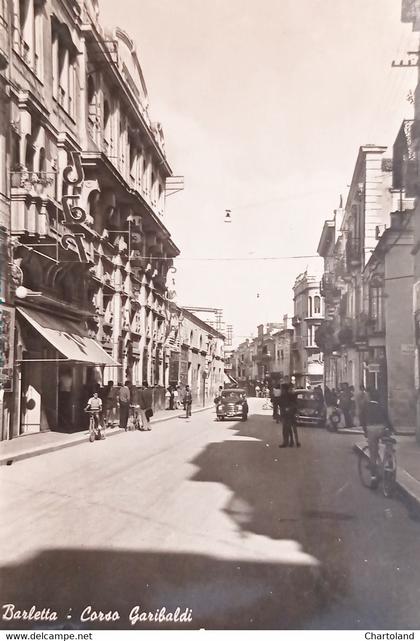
(317, 305)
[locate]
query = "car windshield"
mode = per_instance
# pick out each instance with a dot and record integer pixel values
(232, 396)
(307, 399)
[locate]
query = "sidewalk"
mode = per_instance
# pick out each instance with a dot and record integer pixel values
(30, 445)
(408, 465)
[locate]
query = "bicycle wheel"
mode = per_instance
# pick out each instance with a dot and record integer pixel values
(92, 434)
(363, 466)
(389, 474)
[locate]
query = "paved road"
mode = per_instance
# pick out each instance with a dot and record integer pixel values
(213, 517)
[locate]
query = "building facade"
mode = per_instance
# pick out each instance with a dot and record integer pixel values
(197, 356)
(268, 356)
(84, 194)
(368, 335)
(307, 359)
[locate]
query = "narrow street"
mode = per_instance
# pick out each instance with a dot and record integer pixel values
(213, 517)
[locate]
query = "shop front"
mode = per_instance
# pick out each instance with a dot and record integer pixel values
(58, 368)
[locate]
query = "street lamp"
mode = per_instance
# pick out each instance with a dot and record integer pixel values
(22, 292)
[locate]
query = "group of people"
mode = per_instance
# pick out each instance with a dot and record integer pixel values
(177, 398)
(360, 405)
(105, 400)
(284, 403)
(262, 392)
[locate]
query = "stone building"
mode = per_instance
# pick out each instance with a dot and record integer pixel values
(308, 367)
(86, 177)
(368, 334)
(265, 357)
(202, 363)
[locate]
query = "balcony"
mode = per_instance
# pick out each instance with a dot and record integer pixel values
(38, 184)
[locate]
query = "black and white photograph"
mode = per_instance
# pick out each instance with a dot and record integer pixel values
(209, 318)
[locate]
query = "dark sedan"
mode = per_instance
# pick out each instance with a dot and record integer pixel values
(311, 408)
(232, 403)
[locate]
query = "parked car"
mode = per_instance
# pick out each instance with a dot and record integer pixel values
(311, 409)
(232, 403)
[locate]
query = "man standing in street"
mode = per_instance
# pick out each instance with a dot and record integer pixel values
(146, 403)
(124, 399)
(275, 399)
(362, 404)
(187, 401)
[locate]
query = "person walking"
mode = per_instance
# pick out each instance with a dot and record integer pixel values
(275, 399)
(146, 407)
(107, 403)
(171, 397)
(345, 404)
(362, 404)
(187, 401)
(288, 404)
(124, 401)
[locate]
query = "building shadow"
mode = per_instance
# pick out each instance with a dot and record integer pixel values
(222, 594)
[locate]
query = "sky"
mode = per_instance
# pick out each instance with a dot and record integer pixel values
(264, 106)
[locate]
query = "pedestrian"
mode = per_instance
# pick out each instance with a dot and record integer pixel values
(345, 404)
(257, 391)
(171, 397)
(362, 404)
(288, 404)
(275, 399)
(352, 403)
(219, 395)
(176, 397)
(124, 401)
(107, 397)
(146, 403)
(187, 401)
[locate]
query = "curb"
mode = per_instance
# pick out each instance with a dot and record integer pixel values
(408, 486)
(54, 447)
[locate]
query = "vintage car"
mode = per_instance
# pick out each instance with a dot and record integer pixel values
(311, 409)
(232, 403)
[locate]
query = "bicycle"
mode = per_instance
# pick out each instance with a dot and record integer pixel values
(385, 467)
(268, 405)
(95, 432)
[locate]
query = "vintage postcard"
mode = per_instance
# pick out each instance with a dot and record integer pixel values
(209, 318)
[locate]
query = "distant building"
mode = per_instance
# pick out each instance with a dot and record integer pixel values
(307, 359)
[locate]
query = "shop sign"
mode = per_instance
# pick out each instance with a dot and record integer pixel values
(7, 333)
(374, 368)
(74, 176)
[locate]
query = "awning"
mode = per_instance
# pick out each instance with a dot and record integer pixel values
(68, 337)
(229, 380)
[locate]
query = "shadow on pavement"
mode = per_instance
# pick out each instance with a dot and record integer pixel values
(221, 593)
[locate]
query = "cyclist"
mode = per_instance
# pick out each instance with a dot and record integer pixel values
(94, 405)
